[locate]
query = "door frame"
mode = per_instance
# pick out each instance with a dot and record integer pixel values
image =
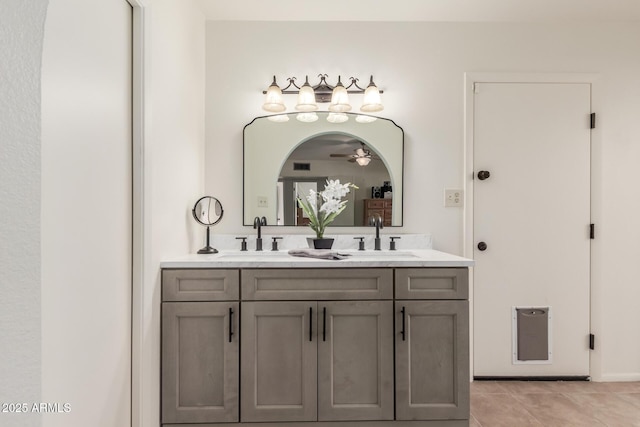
(470, 79)
(140, 236)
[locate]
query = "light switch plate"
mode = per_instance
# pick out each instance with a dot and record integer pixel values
(453, 198)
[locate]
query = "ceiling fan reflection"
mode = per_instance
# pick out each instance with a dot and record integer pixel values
(362, 156)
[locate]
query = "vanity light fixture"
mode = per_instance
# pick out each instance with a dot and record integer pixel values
(339, 99)
(372, 102)
(273, 101)
(309, 96)
(306, 98)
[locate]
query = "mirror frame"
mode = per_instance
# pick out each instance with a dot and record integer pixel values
(315, 131)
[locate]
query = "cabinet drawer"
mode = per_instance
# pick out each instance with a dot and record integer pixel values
(375, 204)
(200, 285)
(432, 283)
(317, 284)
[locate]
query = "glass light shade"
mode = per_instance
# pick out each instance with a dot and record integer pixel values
(307, 117)
(360, 118)
(306, 98)
(363, 161)
(337, 118)
(371, 101)
(339, 99)
(273, 101)
(278, 118)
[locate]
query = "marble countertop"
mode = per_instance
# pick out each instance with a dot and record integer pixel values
(281, 259)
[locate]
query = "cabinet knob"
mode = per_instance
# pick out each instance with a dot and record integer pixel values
(482, 246)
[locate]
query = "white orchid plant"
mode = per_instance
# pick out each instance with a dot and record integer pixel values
(330, 202)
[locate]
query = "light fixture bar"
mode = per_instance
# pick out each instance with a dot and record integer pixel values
(323, 90)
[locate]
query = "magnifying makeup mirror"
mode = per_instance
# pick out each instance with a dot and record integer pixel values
(208, 211)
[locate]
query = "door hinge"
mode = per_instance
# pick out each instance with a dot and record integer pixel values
(593, 120)
(592, 342)
(592, 231)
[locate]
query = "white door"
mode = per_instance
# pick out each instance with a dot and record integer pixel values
(533, 214)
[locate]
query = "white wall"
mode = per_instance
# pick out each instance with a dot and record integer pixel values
(174, 163)
(421, 67)
(86, 212)
(21, 31)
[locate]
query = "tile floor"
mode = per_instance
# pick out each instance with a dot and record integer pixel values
(554, 404)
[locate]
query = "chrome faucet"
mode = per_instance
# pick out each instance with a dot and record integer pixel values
(257, 224)
(376, 221)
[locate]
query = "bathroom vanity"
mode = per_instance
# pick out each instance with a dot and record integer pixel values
(378, 339)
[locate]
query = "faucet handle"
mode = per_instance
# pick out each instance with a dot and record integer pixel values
(360, 243)
(274, 244)
(375, 220)
(243, 244)
(392, 243)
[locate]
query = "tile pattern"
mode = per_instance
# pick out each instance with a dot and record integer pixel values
(554, 404)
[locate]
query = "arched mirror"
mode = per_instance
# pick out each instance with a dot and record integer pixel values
(207, 211)
(282, 159)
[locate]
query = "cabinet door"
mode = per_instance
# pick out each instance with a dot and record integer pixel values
(279, 361)
(355, 360)
(200, 362)
(432, 360)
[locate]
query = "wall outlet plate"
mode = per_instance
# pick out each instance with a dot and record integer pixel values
(263, 202)
(453, 198)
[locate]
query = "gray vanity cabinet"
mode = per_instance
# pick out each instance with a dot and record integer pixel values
(432, 345)
(317, 360)
(200, 346)
(345, 346)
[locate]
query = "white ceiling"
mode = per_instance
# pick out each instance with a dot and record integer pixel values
(423, 10)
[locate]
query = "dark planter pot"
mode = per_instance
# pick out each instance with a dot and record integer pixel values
(322, 243)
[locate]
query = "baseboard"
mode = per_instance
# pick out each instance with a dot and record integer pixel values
(533, 378)
(619, 377)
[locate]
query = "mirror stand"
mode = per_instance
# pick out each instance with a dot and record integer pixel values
(208, 249)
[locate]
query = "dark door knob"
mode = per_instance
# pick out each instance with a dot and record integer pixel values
(482, 246)
(482, 175)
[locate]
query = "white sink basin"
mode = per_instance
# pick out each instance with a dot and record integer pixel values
(255, 254)
(380, 254)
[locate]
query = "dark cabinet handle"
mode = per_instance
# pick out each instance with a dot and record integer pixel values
(482, 175)
(230, 324)
(324, 323)
(482, 246)
(403, 331)
(310, 323)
